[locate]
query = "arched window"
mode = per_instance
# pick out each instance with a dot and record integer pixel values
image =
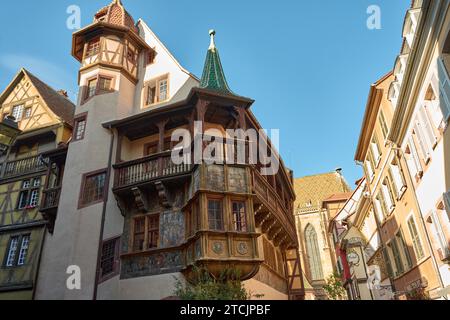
(313, 253)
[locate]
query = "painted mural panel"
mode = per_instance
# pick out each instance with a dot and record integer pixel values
(172, 229)
(237, 179)
(215, 179)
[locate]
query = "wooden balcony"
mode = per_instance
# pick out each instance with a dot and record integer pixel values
(271, 201)
(50, 199)
(148, 169)
(24, 166)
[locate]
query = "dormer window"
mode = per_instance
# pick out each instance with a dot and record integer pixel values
(156, 91)
(394, 91)
(93, 48)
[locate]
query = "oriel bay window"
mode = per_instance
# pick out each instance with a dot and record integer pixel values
(17, 251)
(92, 188)
(146, 233)
(29, 194)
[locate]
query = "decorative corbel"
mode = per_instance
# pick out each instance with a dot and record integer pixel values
(140, 199)
(163, 195)
(121, 205)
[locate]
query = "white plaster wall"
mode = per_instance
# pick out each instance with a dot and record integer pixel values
(149, 288)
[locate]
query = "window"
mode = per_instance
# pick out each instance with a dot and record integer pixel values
(423, 144)
(163, 86)
(439, 233)
(146, 233)
(28, 112)
(153, 231)
(443, 83)
(417, 243)
(110, 259)
(383, 124)
(23, 250)
(387, 195)
(414, 163)
(383, 205)
(313, 253)
(239, 216)
(17, 251)
(91, 88)
(398, 264)
(93, 47)
(215, 215)
(93, 188)
(398, 179)
(29, 194)
(80, 128)
(387, 260)
(151, 55)
(17, 112)
(99, 85)
(131, 55)
(379, 209)
(404, 252)
(104, 84)
(156, 91)
(369, 167)
(427, 127)
(432, 103)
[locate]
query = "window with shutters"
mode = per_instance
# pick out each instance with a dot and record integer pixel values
(413, 159)
(215, 214)
(447, 203)
(439, 233)
(97, 85)
(388, 195)
(444, 89)
(383, 125)
(110, 261)
(432, 103)
(404, 252)
(146, 233)
(376, 152)
(417, 243)
(313, 253)
(387, 261)
(396, 258)
(381, 207)
(424, 147)
(370, 166)
(397, 178)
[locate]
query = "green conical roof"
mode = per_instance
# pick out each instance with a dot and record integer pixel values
(213, 77)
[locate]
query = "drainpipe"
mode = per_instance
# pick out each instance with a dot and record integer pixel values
(383, 244)
(102, 226)
(408, 173)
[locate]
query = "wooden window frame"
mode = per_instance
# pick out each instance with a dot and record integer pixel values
(155, 82)
(20, 238)
(89, 54)
(21, 113)
(244, 226)
(77, 120)
(29, 191)
(97, 91)
(221, 201)
(145, 246)
(81, 203)
(116, 257)
(25, 112)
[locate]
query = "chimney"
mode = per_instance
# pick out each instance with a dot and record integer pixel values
(63, 93)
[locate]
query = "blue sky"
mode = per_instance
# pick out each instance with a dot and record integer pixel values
(308, 64)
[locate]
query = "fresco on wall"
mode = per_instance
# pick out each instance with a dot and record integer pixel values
(159, 263)
(215, 178)
(172, 229)
(237, 181)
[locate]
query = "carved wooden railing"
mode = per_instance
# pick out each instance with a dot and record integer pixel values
(147, 169)
(24, 166)
(51, 198)
(268, 195)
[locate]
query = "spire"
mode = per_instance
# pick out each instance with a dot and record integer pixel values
(213, 77)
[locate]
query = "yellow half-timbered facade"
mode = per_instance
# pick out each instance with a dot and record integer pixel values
(44, 117)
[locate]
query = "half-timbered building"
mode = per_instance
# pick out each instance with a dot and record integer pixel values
(44, 117)
(130, 220)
